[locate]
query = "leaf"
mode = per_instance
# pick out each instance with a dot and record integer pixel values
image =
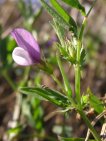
(54, 97)
(72, 139)
(95, 102)
(64, 14)
(85, 99)
(77, 5)
(60, 31)
(60, 20)
(5, 52)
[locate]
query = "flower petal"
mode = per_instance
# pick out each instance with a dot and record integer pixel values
(26, 41)
(21, 57)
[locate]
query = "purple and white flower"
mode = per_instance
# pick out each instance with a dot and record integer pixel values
(28, 52)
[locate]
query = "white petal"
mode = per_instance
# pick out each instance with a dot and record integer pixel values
(21, 57)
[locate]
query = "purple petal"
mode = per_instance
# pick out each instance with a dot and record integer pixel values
(21, 57)
(26, 41)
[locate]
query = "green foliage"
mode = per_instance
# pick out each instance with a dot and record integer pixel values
(53, 96)
(84, 100)
(76, 4)
(6, 47)
(64, 15)
(60, 31)
(95, 102)
(68, 51)
(65, 51)
(37, 114)
(66, 22)
(32, 111)
(61, 11)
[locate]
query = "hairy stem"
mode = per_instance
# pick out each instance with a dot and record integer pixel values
(92, 130)
(78, 74)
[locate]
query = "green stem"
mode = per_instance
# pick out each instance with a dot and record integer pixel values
(65, 79)
(77, 83)
(25, 77)
(86, 120)
(8, 79)
(85, 21)
(78, 74)
(82, 28)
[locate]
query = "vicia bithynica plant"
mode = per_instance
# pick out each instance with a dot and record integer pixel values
(68, 48)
